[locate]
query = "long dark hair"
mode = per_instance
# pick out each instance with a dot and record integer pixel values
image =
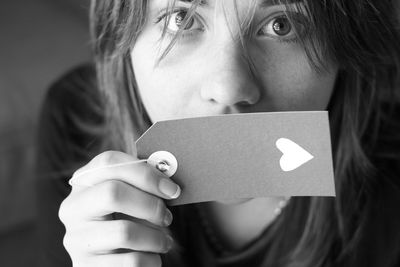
(363, 37)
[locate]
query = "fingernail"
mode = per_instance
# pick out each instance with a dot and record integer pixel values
(169, 242)
(167, 217)
(169, 188)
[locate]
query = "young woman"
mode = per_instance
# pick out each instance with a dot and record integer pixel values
(157, 60)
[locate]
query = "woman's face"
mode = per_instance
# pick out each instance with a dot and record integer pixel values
(206, 72)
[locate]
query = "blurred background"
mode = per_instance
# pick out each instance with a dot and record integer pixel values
(39, 41)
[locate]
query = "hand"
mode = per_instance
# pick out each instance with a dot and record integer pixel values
(114, 183)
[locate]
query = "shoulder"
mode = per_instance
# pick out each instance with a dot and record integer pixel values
(68, 136)
(75, 92)
(71, 119)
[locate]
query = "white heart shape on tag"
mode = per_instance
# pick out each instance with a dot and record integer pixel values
(293, 155)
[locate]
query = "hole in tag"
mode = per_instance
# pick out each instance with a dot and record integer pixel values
(164, 161)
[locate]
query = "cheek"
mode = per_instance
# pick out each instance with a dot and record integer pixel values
(290, 83)
(161, 90)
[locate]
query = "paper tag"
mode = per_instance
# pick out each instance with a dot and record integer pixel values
(246, 155)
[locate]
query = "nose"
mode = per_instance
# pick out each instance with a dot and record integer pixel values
(229, 81)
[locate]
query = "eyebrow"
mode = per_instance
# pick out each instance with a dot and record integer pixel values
(263, 3)
(202, 2)
(267, 3)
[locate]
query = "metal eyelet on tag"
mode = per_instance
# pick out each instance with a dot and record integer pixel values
(164, 161)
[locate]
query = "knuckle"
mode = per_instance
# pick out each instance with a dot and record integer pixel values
(108, 157)
(133, 260)
(157, 261)
(161, 242)
(139, 259)
(112, 194)
(150, 178)
(72, 243)
(157, 207)
(63, 211)
(67, 242)
(124, 233)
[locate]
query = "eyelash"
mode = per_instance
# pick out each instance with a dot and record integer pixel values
(299, 21)
(184, 35)
(189, 34)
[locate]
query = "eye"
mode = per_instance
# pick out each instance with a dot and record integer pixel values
(278, 27)
(176, 21)
(281, 26)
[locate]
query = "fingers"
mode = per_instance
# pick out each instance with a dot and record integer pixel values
(130, 259)
(106, 158)
(114, 196)
(117, 183)
(114, 165)
(103, 237)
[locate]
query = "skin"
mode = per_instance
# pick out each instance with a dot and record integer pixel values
(204, 74)
(220, 82)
